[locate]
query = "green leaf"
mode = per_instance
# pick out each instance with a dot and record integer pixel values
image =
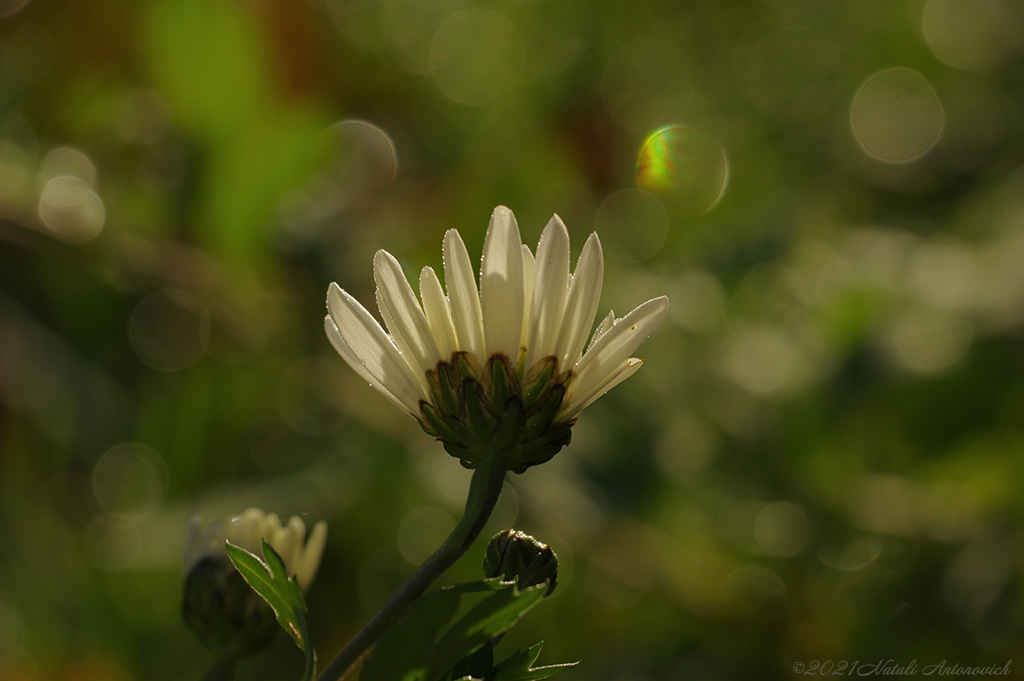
(270, 579)
(518, 667)
(424, 646)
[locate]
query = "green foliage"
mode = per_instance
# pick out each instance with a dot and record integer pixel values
(426, 645)
(271, 581)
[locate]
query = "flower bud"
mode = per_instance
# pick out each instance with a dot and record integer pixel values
(518, 557)
(231, 620)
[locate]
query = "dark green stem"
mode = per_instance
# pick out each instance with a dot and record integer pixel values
(484, 490)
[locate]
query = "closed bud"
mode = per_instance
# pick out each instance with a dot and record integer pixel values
(515, 556)
(231, 620)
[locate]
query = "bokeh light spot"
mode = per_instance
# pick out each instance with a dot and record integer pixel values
(698, 300)
(760, 359)
(421, 531)
(684, 166)
(475, 57)
(68, 162)
(632, 224)
(169, 330)
(856, 555)
(71, 210)
(781, 529)
(756, 587)
(556, 36)
(970, 35)
(927, 341)
(11, 7)
(896, 115)
(646, 83)
(314, 396)
(234, 337)
(129, 481)
(353, 157)
(409, 26)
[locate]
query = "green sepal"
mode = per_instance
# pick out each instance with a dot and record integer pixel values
(499, 382)
(270, 579)
(481, 422)
(466, 364)
(511, 425)
(437, 423)
(540, 420)
(537, 381)
(448, 380)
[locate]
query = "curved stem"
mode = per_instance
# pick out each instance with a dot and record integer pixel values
(484, 490)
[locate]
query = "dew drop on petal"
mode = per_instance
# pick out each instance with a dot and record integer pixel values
(684, 166)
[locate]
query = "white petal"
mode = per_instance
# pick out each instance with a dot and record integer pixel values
(616, 344)
(403, 315)
(584, 394)
(529, 270)
(362, 343)
(350, 358)
(245, 530)
(605, 324)
(501, 284)
(289, 541)
(311, 555)
(581, 305)
(549, 292)
(438, 313)
(462, 295)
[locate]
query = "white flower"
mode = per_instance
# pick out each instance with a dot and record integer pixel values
(530, 312)
(301, 556)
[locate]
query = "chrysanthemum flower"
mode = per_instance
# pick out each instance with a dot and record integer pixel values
(502, 366)
(301, 556)
(227, 615)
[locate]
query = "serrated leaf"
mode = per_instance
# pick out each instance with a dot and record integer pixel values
(405, 647)
(270, 579)
(492, 616)
(518, 666)
(422, 646)
(475, 666)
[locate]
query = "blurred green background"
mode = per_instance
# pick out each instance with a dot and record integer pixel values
(821, 460)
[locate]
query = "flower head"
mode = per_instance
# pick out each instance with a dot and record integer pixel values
(227, 615)
(502, 365)
(300, 556)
